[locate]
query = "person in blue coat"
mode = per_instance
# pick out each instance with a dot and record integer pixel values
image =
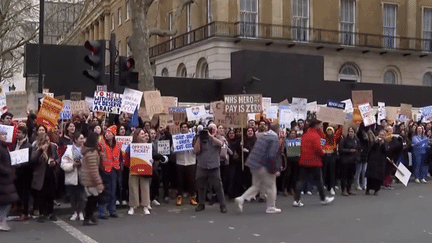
(420, 143)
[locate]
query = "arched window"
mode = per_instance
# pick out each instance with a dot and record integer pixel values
(202, 69)
(390, 77)
(349, 72)
(165, 72)
(181, 71)
(427, 79)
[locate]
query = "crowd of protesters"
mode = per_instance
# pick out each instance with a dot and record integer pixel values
(80, 162)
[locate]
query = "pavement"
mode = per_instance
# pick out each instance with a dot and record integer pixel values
(400, 215)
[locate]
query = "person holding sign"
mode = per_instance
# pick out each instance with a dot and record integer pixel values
(376, 163)
(349, 150)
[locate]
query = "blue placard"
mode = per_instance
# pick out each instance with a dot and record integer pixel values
(336, 104)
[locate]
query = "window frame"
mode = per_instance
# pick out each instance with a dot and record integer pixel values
(387, 42)
(395, 75)
(128, 10)
(112, 22)
(119, 14)
(343, 23)
(427, 42)
(249, 29)
(349, 78)
(423, 79)
(300, 33)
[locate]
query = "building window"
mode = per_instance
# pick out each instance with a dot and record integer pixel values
(171, 27)
(119, 49)
(389, 25)
(181, 71)
(202, 69)
(249, 18)
(390, 77)
(165, 72)
(427, 79)
(128, 9)
(300, 20)
(347, 22)
(188, 22)
(128, 50)
(112, 22)
(349, 73)
(427, 29)
(119, 16)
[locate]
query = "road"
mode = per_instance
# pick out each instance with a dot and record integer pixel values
(400, 215)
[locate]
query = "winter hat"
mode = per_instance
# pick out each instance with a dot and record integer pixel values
(330, 128)
(112, 129)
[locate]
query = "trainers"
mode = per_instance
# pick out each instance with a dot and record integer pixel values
(179, 201)
(239, 203)
(4, 226)
(298, 204)
(57, 203)
(149, 207)
(146, 211)
(131, 211)
(124, 202)
(166, 199)
(388, 187)
(309, 192)
(74, 217)
(417, 181)
(89, 222)
(200, 207)
(223, 209)
(193, 201)
(423, 181)
(117, 202)
(273, 210)
(81, 216)
(155, 202)
(327, 200)
(332, 192)
(358, 188)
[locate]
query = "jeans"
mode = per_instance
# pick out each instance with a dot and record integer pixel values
(213, 178)
(76, 194)
(4, 210)
(419, 167)
(262, 181)
(360, 173)
(316, 174)
(109, 194)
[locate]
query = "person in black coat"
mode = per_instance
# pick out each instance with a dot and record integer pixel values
(363, 134)
(376, 163)
(8, 194)
(24, 172)
(349, 151)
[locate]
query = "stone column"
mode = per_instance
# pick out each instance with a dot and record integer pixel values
(96, 30)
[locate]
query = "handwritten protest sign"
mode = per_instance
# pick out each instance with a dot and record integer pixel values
(19, 156)
(406, 110)
(366, 113)
(166, 120)
(131, 100)
(3, 90)
(266, 103)
(183, 142)
(179, 114)
(284, 102)
(49, 112)
(391, 113)
(286, 116)
(244, 103)
(195, 113)
(348, 106)
(78, 106)
(272, 112)
(102, 88)
(169, 101)
(299, 107)
(362, 96)
(107, 102)
(381, 112)
(426, 112)
(164, 147)
(174, 129)
(66, 113)
(60, 97)
(75, 96)
(153, 102)
(234, 120)
(9, 131)
(17, 104)
(331, 115)
(141, 162)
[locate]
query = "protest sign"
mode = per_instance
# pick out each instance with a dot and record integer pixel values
(164, 147)
(312, 106)
(141, 159)
(426, 112)
(49, 112)
(331, 115)
(266, 103)
(75, 96)
(406, 110)
(107, 102)
(195, 113)
(234, 120)
(243, 103)
(131, 100)
(366, 113)
(60, 97)
(348, 106)
(336, 104)
(293, 147)
(299, 107)
(66, 113)
(391, 113)
(403, 174)
(17, 104)
(381, 112)
(78, 106)
(154, 120)
(272, 112)
(102, 88)
(179, 114)
(89, 102)
(285, 102)
(3, 91)
(174, 129)
(286, 116)
(19, 156)
(153, 102)
(9, 130)
(362, 96)
(166, 120)
(123, 142)
(169, 101)
(183, 142)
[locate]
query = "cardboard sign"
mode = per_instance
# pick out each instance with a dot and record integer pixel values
(123, 142)
(89, 102)
(169, 101)
(60, 97)
(78, 106)
(10, 132)
(66, 113)
(179, 114)
(426, 112)
(183, 142)
(107, 102)
(331, 115)
(195, 113)
(362, 96)
(166, 120)
(244, 103)
(226, 120)
(406, 110)
(336, 104)
(366, 113)
(266, 103)
(75, 96)
(102, 88)
(19, 156)
(131, 100)
(299, 107)
(381, 112)
(17, 104)
(49, 112)
(174, 129)
(391, 113)
(153, 102)
(141, 159)
(164, 147)
(293, 147)
(284, 102)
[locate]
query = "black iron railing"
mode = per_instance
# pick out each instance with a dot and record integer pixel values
(292, 34)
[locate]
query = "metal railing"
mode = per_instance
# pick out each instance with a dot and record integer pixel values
(292, 34)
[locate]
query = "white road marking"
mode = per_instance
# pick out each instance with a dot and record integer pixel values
(74, 232)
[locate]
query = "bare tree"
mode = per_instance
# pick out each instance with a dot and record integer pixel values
(141, 33)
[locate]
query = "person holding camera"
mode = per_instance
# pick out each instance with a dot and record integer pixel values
(207, 147)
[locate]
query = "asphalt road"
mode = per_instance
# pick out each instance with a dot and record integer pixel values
(400, 215)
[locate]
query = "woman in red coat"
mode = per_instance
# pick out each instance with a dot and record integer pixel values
(311, 162)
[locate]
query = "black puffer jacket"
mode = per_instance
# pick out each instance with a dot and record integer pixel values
(8, 192)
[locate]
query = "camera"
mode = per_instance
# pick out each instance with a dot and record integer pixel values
(204, 134)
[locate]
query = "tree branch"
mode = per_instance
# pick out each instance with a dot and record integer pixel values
(161, 33)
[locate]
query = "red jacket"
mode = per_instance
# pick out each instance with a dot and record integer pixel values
(311, 150)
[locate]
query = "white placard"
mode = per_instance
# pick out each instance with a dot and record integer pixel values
(312, 106)
(19, 156)
(299, 107)
(195, 113)
(348, 106)
(9, 130)
(403, 174)
(266, 103)
(286, 116)
(183, 142)
(272, 112)
(381, 112)
(366, 114)
(131, 100)
(164, 147)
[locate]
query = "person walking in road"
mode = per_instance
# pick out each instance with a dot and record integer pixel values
(349, 150)
(265, 163)
(310, 162)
